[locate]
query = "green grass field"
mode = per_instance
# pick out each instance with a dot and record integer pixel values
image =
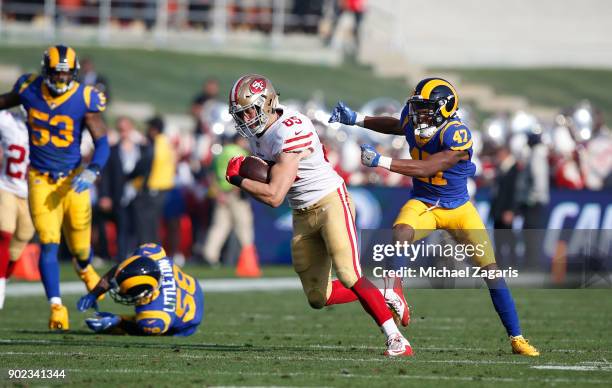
(169, 80)
(551, 87)
(274, 338)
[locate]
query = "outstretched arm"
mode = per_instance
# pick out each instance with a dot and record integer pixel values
(383, 124)
(282, 176)
(9, 100)
(440, 161)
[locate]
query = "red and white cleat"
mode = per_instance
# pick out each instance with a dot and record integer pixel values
(397, 345)
(394, 297)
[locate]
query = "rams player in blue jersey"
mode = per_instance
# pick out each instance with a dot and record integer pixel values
(441, 149)
(58, 110)
(167, 300)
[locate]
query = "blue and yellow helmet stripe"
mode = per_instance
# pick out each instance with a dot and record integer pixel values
(135, 279)
(60, 58)
(57, 59)
(435, 89)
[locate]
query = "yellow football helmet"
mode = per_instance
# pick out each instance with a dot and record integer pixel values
(60, 67)
(252, 91)
(433, 102)
(137, 280)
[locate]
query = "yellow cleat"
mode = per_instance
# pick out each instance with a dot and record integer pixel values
(89, 276)
(521, 346)
(59, 317)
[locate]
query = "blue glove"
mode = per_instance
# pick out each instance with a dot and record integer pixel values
(103, 322)
(86, 302)
(343, 114)
(84, 180)
(369, 155)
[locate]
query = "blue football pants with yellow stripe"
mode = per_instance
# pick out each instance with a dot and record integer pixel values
(57, 209)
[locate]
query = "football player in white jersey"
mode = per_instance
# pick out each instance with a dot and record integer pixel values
(16, 227)
(324, 232)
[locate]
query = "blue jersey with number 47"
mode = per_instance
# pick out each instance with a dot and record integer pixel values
(55, 123)
(447, 189)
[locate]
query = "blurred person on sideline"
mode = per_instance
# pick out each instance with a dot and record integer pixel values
(307, 16)
(232, 209)
(357, 8)
(203, 138)
(150, 181)
(565, 159)
(597, 155)
(503, 205)
(123, 158)
(89, 76)
(210, 91)
(175, 206)
(533, 196)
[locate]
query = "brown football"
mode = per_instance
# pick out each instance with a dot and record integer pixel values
(256, 169)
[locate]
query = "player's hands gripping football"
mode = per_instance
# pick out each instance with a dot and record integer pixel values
(369, 156)
(343, 114)
(232, 174)
(85, 180)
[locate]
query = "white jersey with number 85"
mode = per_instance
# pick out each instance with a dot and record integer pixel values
(294, 132)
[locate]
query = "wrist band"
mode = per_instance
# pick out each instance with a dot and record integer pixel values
(236, 180)
(359, 120)
(385, 162)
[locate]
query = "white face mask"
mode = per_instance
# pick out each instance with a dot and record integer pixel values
(425, 131)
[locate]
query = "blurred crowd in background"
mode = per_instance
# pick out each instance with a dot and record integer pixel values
(178, 177)
(302, 16)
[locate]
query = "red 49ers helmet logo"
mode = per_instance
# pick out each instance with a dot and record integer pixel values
(257, 86)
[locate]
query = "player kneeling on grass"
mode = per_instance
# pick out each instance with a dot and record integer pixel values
(167, 300)
(323, 212)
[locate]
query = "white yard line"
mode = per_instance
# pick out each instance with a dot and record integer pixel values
(333, 347)
(208, 285)
(583, 368)
(263, 357)
(358, 376)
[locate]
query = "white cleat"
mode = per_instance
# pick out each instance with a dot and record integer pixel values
(397, 345)
(394, 297)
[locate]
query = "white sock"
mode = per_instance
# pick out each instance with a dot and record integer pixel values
(388, 282)
(55, 300)
(2, 288)
(382, 291)
(390, 328)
